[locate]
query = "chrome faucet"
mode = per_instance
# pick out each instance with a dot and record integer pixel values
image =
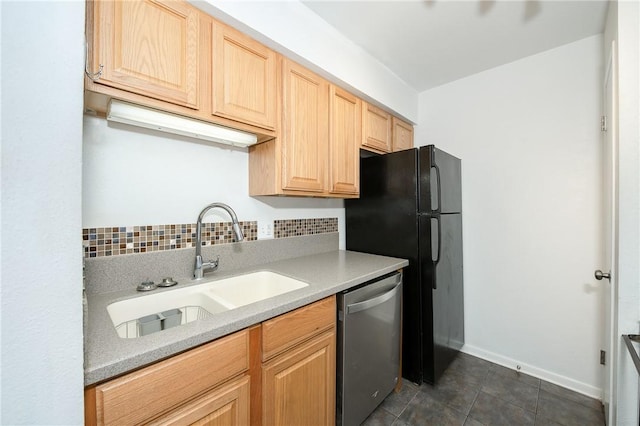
(200, 266)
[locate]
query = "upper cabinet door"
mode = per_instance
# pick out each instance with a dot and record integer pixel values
(244, 78)
(305, 128)
(402, 135)
(149, 47)
(345, 127)
(376, 134)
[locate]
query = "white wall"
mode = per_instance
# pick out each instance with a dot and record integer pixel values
(291, 28)
(133, 176)
(528, 136)
(623, 26)
(41, 307)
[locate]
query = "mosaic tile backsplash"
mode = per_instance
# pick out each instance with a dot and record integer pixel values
(114, 241)
(298, 227)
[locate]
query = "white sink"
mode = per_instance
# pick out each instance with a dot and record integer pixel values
(245, 289)
(199, 301)
(191, 301)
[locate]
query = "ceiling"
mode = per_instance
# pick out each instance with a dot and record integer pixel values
(432, 42)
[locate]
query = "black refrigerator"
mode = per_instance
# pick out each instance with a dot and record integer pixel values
(410, 207)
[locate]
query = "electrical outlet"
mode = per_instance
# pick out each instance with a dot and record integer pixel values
(265, 230)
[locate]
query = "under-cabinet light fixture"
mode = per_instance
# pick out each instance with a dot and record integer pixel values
(135, 115)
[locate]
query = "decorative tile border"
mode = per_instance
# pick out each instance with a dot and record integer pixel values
(297, 227)
(147, 238)
(115, 241)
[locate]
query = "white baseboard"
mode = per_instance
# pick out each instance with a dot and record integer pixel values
(565, 382)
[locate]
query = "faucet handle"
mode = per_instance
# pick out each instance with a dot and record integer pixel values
(212, 264)
(147, 285)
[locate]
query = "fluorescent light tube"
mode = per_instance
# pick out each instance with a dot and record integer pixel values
(135, 115)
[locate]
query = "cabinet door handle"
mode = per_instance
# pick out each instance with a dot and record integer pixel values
(94, 76)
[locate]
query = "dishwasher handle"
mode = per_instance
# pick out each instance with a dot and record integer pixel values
(370, 303)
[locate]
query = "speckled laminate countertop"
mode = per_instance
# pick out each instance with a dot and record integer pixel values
(107, 355)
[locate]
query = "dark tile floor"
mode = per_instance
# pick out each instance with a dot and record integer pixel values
(475, 392)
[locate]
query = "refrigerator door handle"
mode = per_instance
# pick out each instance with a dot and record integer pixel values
(438, 210)
(438, 251)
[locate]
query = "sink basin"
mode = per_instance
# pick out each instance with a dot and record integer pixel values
(196, 302)
(249, 288)
(191, 301)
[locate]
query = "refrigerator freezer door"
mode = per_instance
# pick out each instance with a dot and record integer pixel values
(440, 181)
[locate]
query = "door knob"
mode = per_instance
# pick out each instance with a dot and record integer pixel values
(600, 275)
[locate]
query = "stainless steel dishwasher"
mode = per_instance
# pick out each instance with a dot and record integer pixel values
(368, 361)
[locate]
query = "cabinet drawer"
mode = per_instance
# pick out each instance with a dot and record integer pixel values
(290, 329)
(150, 391)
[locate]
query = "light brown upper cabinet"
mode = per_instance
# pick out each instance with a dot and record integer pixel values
(402, 135)
(376, 129)
(170, 56)
(317, 149)
(296, 161)
(244, 78)
(305, 128)
(148, 47)
(345, 129)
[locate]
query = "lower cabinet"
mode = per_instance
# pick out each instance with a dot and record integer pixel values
(159, 389)
(279, 372)
(299, 366)
(227, 405)
(299, 385)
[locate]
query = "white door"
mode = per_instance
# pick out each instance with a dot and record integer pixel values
(610, 184)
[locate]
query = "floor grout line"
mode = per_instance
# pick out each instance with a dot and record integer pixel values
(505, 383)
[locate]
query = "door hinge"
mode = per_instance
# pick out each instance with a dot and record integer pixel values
(603, 357)
(603, 123)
